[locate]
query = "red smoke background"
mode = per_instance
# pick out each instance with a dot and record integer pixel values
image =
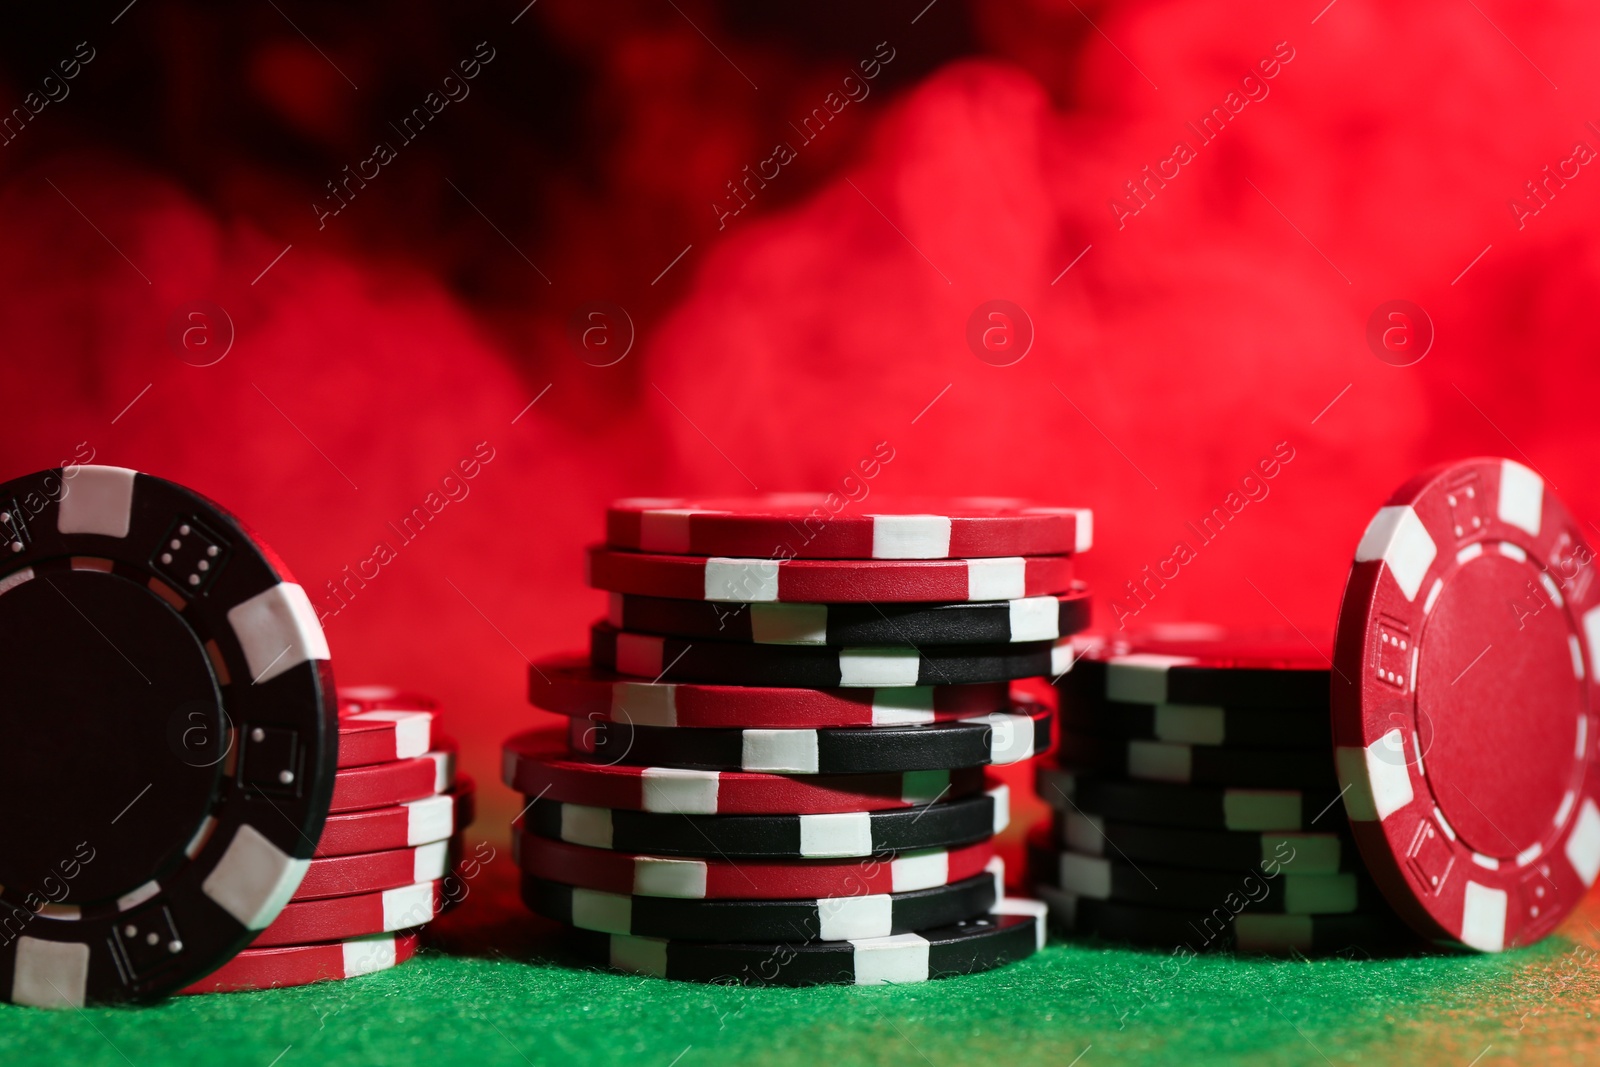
(588, 160)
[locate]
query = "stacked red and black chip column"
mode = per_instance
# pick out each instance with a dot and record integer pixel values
(775, 771)
(1195, 801)
(381, 869)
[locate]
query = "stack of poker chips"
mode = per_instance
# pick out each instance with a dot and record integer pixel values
(1195, 800)
(379, 871)
(773, 771)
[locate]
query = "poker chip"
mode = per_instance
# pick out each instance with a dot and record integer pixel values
(1200, 807)
(373, 872)
(1039, 618)
(570, 686)
(1464, 705)
(827, 526)
(300, 965)
(1222, 929)
(378, 724)
(383, 785)
(1195, 724)
(1221, 850)
(1163, 761)
(996, 739)
(1181, 888)
(536, 765)
(947, 824)
(405, 825)
(1204, 665)
(827, 580)
(671, 659)
(163, 673)
(846, 918)
(637, 874)
(1013, 931)
(340, 918)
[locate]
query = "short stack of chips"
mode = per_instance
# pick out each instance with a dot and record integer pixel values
(1435, 762)
(379, 871)
(773, 772)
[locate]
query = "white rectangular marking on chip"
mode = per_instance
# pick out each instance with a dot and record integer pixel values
(923, 787)
(665, 530)
(368, 955)
(444, 769)
(1159, 761)
(845, 833)
(1351, 764)
(1033, 909)
(1001, 578)
(1591, 632)
(1444, 824)
(1521, 497)
(1576, 650)
(910, 705)
(132, 899)
(1483, 918)
(410, 905)
(894, 960)
(1397, 537)
(1190, 724)
(1433, 595)
(1583, 844)
(1000, 795)
(888, 667)
(640, 654)
(1488, 863)
(1564, 809)
(1010, 737)
(1583, 737)
(780, 751)
(855, 918)
(413, 730)
(996, 869)
(278, 630)
(585, 825)
(1515, 552)
(1141, 677)
(640, 955)
(789, 624)
(430, 861)
(741, 579)
(1062, 656)
(1087, 876)
(14, 579)
(659, 876)
(609, 913)
(910, 536)
(97, 500)
(1084, 534)
(644, 703)
(1085, 833)
(1528, 855)
(50, 974)
(923, 869)
(1319, 894)
(1469, 553)
(430, 819)
(254, 879)
(1035, 618)
(675, 789)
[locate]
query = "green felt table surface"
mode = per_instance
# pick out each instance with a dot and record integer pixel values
(493, 987)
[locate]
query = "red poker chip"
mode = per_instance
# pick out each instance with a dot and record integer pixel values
(569, 685)
(826, 526)
(302, 922)
(537, 765)
(404, 825)
(370, 732)
(373, 872)
(299, 965)
(1464, 701)
(759, 579)
(381, 785)
(718, 879)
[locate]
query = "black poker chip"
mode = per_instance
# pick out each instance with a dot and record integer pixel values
(170, 706)
(672, 659)
(1212, 666)
(1039, 618)
(1218, 850)
(1197, 806)
(1164, 761)
(1012, 932)
(996, 739)
(1194, 724)
(846, 918)
(947, 824)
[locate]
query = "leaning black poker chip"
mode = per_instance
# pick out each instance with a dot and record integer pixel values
(162, 653)
(1039, 618)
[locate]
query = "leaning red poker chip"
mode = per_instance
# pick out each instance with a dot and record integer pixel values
(827, 580)
(373, 872)
(339, 918)
(381, 785)
(609, 871)
(825, 526)
(1464, 705)
(299, 965)
(405, 825)
(569, 685)
(537, 765)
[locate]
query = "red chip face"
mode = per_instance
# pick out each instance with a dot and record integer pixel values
(1464, 702)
